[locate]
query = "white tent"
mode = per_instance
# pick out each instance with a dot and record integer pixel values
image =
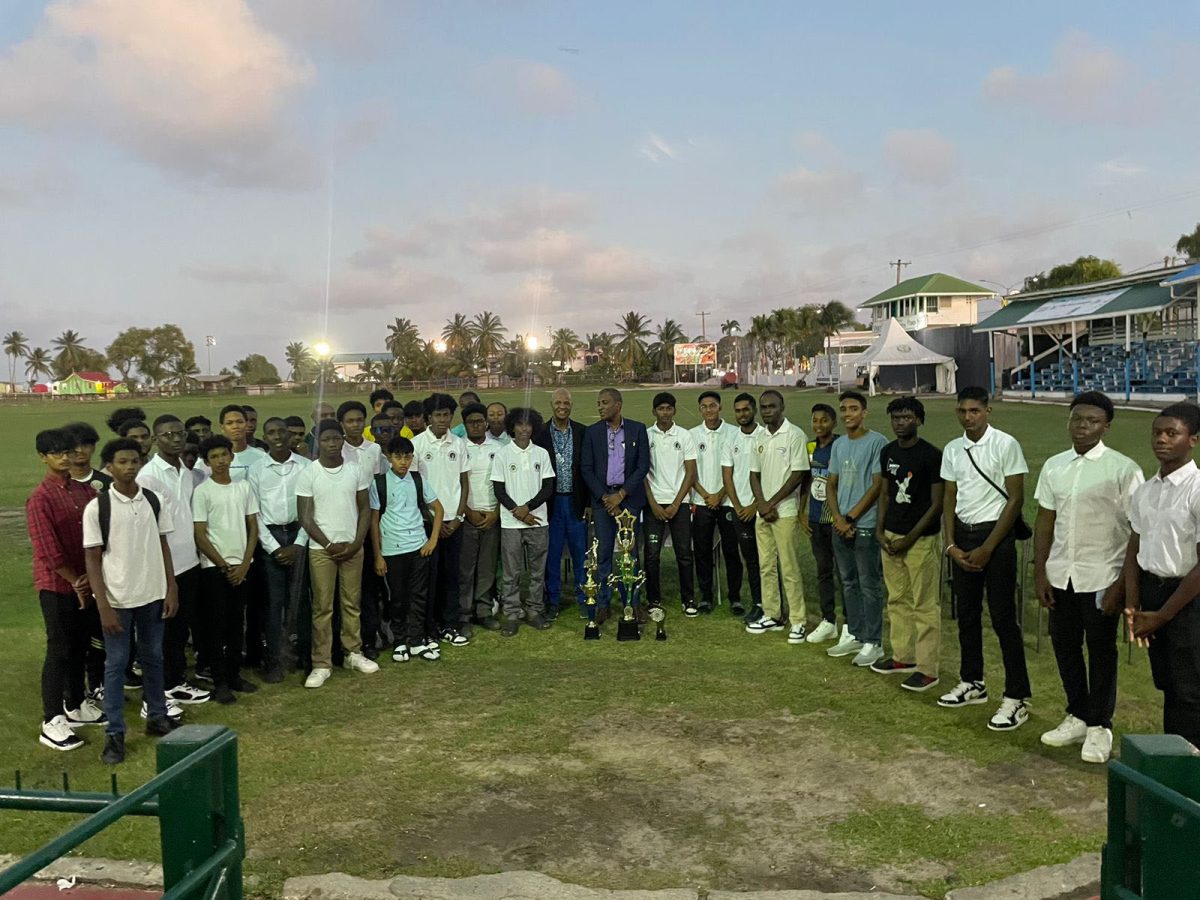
(895, 347)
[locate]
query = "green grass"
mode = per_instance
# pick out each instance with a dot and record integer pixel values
(714, 760)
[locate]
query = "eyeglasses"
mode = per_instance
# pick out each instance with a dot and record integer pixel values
(59, 453)
(175, 433)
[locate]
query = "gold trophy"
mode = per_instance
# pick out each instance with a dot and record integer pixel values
(591, 631)
(625, 575)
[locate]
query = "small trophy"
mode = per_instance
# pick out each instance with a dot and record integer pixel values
(656, 616)
(626, 576)
(591, 631)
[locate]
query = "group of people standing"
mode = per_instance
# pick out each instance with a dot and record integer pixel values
(397, 528)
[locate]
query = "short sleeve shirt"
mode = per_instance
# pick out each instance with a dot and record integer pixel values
(134, 570)
(239, 470)
(775, 457)
(909, 475)
(668, 451)
(998, 455)
(367, 455)
(441, 462)
(334, 493)
(818, 510)
(855, 462)
(481, 495)
(1165, 513)
(737, 453)
(522, 473)
(224, 508)
(710, 450)
(400, 526)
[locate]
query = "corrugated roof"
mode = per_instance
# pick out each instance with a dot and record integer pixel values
(937, 285)
(1188, 275)
(1080, 307)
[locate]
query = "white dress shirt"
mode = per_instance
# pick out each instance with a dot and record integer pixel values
(174, 488)
(668, 451)
(775, 457)
(1090, 496)
(368, 456)
(710, 450)
(999, 455)
(274, 484)
(738, 452)
(1165, 513)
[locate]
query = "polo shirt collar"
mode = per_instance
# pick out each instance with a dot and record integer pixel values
(671, 430)
(123, 499)
(785, 427)
(1096, 452)
(1180, 475)
(983, 440)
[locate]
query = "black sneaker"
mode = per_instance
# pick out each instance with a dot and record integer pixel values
(273, 675)
(159, 726)
(509, 628)
(705, 608)
(222, 694)
(756, 613)
(737, 608)
(918, 681)
(114, 750)
(551, 613)
(370, 652)
(488, 623)
(242, 686)
(204, 673)
(536, 621)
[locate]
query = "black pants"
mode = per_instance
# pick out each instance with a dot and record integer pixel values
(94, 662)
(408, 582)
(705, 523)
(1091, 686)
(1175, 659)
(255, 598)
(66, 650)
(175, 634)
(444, 609)
(822, 550)
(220, 625)
(654, 530)
(747, 544)
(372, 604)
(999, 581)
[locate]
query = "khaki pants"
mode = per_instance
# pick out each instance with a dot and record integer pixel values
(347, 578)
(778, 552)
(914, 604)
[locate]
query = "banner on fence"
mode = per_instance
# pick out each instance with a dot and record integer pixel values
(696, 354)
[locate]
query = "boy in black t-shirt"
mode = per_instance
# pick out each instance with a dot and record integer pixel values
(907, 530)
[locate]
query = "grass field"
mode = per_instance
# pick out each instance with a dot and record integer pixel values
(716, 759)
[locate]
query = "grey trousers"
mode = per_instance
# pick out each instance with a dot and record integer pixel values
(477, 569)
(524, 549)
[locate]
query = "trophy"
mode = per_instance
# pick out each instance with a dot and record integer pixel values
(591, 631)
(626, 576)
(656, 616)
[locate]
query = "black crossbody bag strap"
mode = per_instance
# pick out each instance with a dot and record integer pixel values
(1003, 493)
(1020, 528)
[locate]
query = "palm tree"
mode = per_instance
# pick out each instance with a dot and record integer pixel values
(834, 316)
(630, 346)
(761, 334)
(488, 332)
(38, 362)
(181, 373)
(402, 337)
(564, 343)
(458, 334)
(70, 350)
(368, 372)
(300, 360)
(729, 326)
(16, 346)
(662, 351)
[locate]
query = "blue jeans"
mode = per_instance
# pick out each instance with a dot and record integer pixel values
(570, 530)
(147, 622)
(284, 587)
(861, 569)
(606, 535)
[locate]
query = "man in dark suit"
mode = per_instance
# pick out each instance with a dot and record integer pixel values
(616, 461)
(562, 438)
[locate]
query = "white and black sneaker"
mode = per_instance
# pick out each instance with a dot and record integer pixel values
(174, 710)
(455, 638)
(427, 651)
(57, 735)
(763, 625)
(690, 609)
(401, 654)
(88, 713)
(965, 693)
(184, 693)
(797, 634)
(1011, 715)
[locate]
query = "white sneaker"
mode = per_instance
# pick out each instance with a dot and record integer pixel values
(868, 655)
(846, 645)
(426, 651)
(826, 631)
(1070, 730)
(174, 710)
(359, 663)
(1010, 716)
(97, 695)
(1097, 747)
(317, 677)
(57, 735)
(401, 654)
(763, 625)
(965, 693)
(797, 634)
(185, 693)
(88, 713)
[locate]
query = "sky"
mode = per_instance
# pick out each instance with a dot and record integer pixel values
(266, 171)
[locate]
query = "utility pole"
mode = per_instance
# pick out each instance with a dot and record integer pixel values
(703, 332)
(899, 265)
(209, 343)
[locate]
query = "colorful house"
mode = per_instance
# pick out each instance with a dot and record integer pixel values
(88, 383)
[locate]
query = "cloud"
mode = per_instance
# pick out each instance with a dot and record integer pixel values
(531, 88)
(1085, 83)
(823, 191)
(213, 273)
(386, 247)
(198, 89)
(33, 186)
(539, 248)
(655, 149)
(531, 208)
(1120, 168)
(347, 29)
(921, 155)
(609, 270)
(356, 290)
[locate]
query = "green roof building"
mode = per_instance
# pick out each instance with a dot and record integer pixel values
(928, 301)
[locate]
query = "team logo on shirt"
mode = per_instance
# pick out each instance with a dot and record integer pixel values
(537, 467)
(678, 446)
(513, 467)
(428, 456)
(760, 448)
(491, 456)
(703, 446)
(452, 455)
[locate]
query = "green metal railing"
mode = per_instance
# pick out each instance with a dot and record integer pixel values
(195, 798)
(1153, 847)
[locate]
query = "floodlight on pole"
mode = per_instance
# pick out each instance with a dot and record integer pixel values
(531, 343)
(439, 346)
(322, 349)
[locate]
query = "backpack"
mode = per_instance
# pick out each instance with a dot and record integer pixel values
(104, 498)
(381, 490)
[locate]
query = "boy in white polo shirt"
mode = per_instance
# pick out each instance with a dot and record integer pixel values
(713, 512)
(672, 471)
(131, 576)
(331, 501)
(523, 480)
(225, 513)
(481, 529)
(778, 467)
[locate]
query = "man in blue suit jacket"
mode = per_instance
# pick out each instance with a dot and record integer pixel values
(616, 461)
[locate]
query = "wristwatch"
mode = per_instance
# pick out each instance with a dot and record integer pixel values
(851, 519)
(459, 517)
